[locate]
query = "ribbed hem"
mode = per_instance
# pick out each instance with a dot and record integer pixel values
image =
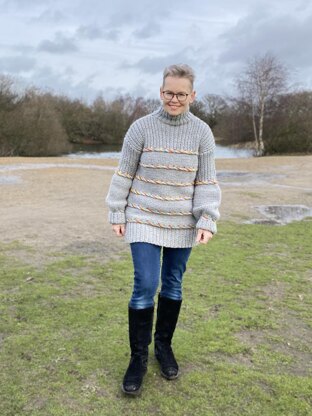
(207, 224)
(164, 237)
(116, 217)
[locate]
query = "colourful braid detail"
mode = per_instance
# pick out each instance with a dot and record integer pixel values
(124, 174)
(157, 224)
(159, 182)
(168, 150)
(156, 211)
(170, 167)
(207, 217)
(161, 198)
(210, 182)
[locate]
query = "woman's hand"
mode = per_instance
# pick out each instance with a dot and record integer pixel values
(119, 229)
(203, 236)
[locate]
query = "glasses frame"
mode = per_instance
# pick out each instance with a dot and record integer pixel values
(173, 94)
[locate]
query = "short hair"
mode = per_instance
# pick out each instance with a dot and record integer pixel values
(179, 71)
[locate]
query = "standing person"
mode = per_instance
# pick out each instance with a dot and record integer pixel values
(164, 197)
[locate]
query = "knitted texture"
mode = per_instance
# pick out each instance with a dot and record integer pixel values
(165, 187)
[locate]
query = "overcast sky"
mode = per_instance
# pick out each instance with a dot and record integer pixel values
(91, 47)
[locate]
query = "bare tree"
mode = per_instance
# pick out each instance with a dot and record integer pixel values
(7, 95)
(215, 105)
(263, 79)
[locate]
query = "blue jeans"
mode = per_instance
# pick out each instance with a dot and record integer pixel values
(146, 263)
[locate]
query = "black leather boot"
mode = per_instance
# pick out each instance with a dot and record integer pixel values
(140, 336)
(167, 316)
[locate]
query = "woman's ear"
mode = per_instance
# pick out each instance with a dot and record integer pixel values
(192, 97)
(160, 92)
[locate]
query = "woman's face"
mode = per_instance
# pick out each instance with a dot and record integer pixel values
(180, 86)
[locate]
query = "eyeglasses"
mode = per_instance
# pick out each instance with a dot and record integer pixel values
(181, 96)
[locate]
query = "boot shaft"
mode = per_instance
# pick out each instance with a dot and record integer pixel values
(168, 311)
(140, 329)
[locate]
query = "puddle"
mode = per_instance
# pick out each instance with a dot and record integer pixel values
(94, 155)
(101, 152)
(237, 178)
(10, 180)
(228, 177)
(234, 174)
(281, 214)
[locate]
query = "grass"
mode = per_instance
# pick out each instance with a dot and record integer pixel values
(244, 338)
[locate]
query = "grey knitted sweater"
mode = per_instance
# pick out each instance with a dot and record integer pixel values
(165, 187)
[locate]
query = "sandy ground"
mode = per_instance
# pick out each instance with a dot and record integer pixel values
(58, 204)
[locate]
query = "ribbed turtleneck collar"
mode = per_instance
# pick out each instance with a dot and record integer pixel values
(165, 117)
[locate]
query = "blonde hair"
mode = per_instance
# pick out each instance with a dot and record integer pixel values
(179, 71)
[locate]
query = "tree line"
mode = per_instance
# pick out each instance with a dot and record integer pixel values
(264, 112)
(37, 123)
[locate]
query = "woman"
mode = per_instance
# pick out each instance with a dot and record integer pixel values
(165, 198)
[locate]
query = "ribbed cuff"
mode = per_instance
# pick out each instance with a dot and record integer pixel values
(116, 217)
(205, 223)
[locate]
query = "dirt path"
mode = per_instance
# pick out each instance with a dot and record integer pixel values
(58, 204)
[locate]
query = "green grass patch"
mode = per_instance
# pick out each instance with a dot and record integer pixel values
(243, 339)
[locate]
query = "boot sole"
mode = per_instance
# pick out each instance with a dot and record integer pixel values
(169, 377)
(131, 393)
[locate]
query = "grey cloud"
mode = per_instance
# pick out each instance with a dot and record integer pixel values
(10, 3)
(61, 82)
(286, 36)
(60, 45)
(121, 19)
(157, 64)
(112, 34)
(89, 32)
(49, 16)
(143, 89)
(23, 48)
(147, 64)
(17, 64)
(133, 13)
(303, 5)
(109, 93)
(92, 32)
(148, 30)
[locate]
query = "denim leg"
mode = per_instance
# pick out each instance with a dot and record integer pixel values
(146, 263)
(173, 268)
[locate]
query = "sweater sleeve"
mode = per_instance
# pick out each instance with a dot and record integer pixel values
(121, 182)
(207, 193)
